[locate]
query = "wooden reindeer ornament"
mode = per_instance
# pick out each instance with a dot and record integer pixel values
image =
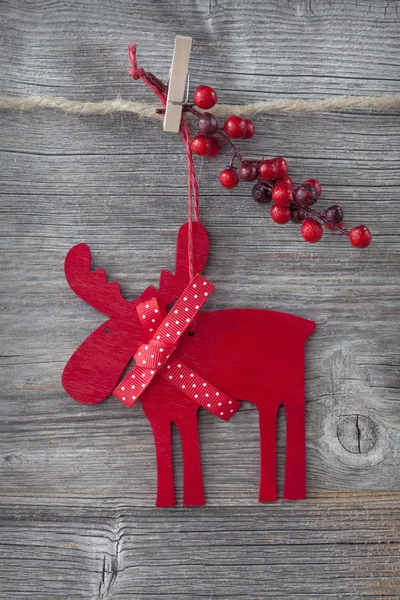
(231, 355)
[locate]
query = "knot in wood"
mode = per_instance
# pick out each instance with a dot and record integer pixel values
(356, 433)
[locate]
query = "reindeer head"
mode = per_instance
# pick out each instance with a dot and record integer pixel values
(93, 371)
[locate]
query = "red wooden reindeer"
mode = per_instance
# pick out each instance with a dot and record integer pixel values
(248, 354)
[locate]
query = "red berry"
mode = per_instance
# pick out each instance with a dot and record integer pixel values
(267, 170)
(201, 145)
(235, 127)
(315, 184)
(282, 167)
(248, 171)
(287, 180)
(360, 236)
(306, 194)
(205, 97)
(207, 124)
(229, 177)
(215, 147)
(280, 214)
(250, 129)
(282, 194)
(312, 231)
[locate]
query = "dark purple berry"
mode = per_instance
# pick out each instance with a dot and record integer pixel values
(306, 194)
(334, 214)
(261, 193)
(248, 171)
(207, 124)
(298, 215)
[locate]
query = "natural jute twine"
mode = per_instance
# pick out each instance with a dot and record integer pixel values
(141, 109)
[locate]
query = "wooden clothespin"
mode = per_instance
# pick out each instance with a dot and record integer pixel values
(177, 83)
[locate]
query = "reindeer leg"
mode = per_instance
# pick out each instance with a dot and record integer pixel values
(193, 489)
(165, 475)
(295, 469)
(267, 418)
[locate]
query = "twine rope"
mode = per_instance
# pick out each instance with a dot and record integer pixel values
(148, 111)
(159, 88)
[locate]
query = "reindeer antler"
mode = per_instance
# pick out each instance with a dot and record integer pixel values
(92, 286)
(172, 285)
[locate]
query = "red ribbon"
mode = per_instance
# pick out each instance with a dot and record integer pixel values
(155, 356)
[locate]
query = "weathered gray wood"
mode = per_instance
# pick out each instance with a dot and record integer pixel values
(277, 551)
(78, 483)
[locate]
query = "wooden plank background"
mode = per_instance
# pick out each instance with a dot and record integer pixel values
(77, 482)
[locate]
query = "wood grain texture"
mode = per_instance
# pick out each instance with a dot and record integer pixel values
(275, 551)
(78, 482)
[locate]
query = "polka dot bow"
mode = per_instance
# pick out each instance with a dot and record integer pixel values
(155, 356)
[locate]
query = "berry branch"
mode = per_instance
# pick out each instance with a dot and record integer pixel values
(272, 185)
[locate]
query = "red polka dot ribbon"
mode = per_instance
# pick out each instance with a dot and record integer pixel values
(155, 356)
